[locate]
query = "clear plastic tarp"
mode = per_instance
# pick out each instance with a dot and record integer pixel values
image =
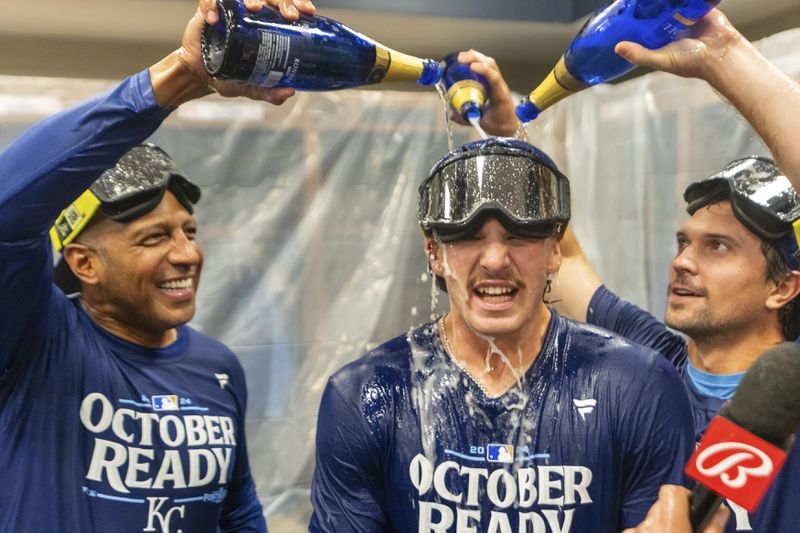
(308, 221)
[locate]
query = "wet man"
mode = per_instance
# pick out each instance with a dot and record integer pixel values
(114, 414)
(501, 415)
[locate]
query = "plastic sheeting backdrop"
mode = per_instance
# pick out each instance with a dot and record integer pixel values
(308, 221)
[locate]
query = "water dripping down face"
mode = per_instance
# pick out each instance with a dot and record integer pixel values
(495, 279)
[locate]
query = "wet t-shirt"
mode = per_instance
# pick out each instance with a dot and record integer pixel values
(778, 511)
(406, 441)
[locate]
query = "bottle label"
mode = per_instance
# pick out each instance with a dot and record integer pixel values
(465, 91)
(566, 79)
(272, 63)
(383, 59)
(398, 66)
(474, 85)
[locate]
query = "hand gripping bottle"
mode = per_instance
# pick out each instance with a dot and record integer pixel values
(590, 58)
(313, 53)
(467, 91)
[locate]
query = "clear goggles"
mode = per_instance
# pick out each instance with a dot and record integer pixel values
(132, 188)
(505, 178)
(762, 199)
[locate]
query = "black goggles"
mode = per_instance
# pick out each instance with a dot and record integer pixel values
(132, 188)
(762, 199)
(506, 178)
(137, 183)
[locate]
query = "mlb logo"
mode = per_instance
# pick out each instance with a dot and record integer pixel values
(500, 453)
(167, 402)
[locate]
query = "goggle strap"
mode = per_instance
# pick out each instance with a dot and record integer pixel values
(788, 250)
(73, 219)
(796, 229)
(795, 263)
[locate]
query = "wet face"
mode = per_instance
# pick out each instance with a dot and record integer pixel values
(495, 279)
(146, 272)
(717, 283)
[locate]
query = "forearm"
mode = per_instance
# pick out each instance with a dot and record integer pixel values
(174, 83)
(576, 282)
(766, 97)
(574, 287)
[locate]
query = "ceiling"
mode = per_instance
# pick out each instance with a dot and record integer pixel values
(113, 38)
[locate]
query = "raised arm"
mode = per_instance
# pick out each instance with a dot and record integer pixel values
(181, 77)
(720, 55)
(577, 281)
(53, 162)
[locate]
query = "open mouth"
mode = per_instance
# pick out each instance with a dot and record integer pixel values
(494, 294)
(177, 285)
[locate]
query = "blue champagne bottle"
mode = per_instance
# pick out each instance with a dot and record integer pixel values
(590, 58)
(314, 53)
(467, 91)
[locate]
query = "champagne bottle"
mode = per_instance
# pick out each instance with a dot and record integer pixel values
(467, 91)
(590, 58)
(313, 53)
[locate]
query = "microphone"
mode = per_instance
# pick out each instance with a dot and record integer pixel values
(743, 447)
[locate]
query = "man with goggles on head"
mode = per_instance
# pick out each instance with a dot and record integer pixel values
(500, 415)
(134, 187)
(114, 414)
(733, 293)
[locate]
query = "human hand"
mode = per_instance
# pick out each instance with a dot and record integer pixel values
(709, 41)
(290, 9)
(670, 514)
(189, 53)
(498, 113)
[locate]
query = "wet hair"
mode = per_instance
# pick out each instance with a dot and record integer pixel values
(440, 283)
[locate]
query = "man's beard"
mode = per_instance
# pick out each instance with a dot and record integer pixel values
(702, 325)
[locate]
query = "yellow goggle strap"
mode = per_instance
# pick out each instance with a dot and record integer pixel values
(73, 219)
(796, 228)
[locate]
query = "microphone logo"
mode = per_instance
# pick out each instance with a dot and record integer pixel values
(718, 459)
(735, 463)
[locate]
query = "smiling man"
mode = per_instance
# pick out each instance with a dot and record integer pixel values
(500, 416)
(128, 246)
(115, 415)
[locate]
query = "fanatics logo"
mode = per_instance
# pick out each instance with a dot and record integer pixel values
(500, 453)
(223, 379)
(585, 406)
(168, 402)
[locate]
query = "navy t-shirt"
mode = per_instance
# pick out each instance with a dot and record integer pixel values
(779, 510)
(406, 441)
